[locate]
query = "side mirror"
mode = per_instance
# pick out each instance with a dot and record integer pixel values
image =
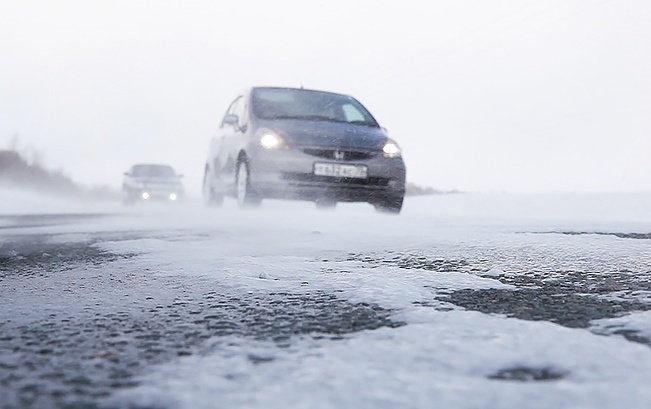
(127, 174)
(179, 176)
(230, 119)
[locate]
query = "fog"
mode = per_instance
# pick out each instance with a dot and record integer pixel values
(536, 96)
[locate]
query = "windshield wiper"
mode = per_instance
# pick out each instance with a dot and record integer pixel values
(364, 123)
(308, 117)
(324, 118)
(317, 117)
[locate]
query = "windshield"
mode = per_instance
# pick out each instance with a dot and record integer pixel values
(159, 171)
(288, 103)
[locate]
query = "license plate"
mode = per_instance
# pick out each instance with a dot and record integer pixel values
(339, 170)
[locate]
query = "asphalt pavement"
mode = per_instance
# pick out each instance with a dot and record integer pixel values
(79, 323)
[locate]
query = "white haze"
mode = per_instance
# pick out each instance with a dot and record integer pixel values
(483, 96)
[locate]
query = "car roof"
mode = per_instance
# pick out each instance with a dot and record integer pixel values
(153, 165)
(142, 166)
(295, 88)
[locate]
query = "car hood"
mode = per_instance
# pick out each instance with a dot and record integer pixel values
(328, 134)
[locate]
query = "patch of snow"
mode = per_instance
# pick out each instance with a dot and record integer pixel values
(640, 296)
(494, 272)
(442, 359)
(638, 322)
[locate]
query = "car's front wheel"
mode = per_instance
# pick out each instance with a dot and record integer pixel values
(390, 204)
(210, 198)
(128, 198)
(245, 197)
(325, 204)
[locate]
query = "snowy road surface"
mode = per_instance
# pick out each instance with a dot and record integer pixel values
(462, 301)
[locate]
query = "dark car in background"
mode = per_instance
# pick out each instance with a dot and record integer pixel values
(151, 182)
(291, 143)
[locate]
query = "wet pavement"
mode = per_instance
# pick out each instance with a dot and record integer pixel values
(79, 323)
(75, 350)
(568, 289)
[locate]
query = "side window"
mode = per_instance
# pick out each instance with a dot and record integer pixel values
(240, 111)
(352, 113)
(232, 109)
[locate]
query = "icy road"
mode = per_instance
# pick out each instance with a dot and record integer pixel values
(461, 301)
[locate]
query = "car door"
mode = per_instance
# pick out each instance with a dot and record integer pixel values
(231, 136)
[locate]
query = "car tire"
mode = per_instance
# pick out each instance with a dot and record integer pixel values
(325, 204)
(210, 198)
(128, 199)
(389, 205)
(245, 197)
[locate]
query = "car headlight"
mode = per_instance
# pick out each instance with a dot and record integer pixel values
(391, 150)
(270, 139)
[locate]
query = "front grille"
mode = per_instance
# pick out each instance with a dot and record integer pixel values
(308, 178)
(339, 154)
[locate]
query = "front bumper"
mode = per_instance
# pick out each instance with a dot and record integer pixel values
(153, 195)
(290, 175)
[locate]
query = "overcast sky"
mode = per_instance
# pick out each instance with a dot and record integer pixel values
(511, 95)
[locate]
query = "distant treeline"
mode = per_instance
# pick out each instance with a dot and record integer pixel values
(16, 171)
(414, 190)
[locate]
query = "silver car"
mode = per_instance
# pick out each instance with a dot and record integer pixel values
(290, 143)
(148, 182)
